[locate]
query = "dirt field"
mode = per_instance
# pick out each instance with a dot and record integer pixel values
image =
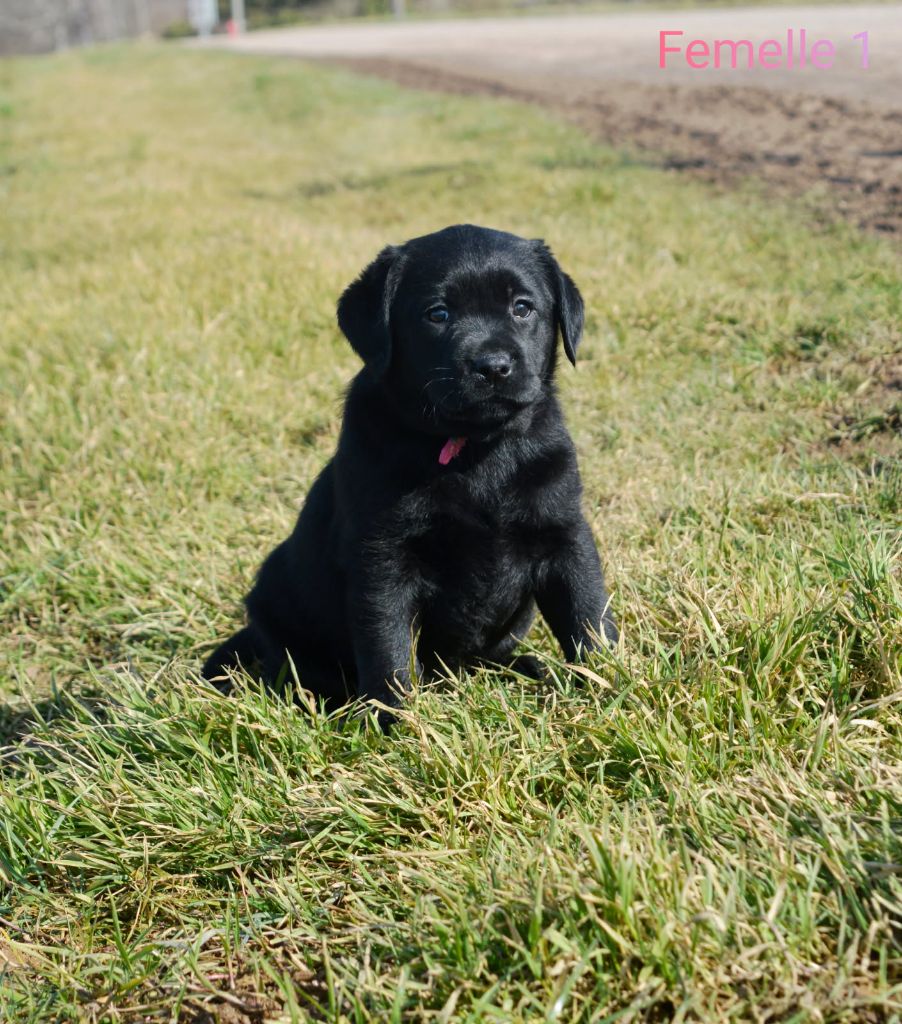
(837, 131)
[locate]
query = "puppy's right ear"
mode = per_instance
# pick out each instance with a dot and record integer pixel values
(364, 310)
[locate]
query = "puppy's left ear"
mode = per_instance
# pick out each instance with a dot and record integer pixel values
(569, 306)
(364, 309)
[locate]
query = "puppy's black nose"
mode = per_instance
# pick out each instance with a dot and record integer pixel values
(494, 366)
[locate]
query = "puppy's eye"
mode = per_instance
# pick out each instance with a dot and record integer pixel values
(521, 308)
(438, 315)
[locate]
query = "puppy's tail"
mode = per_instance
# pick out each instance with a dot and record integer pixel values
(240, 650)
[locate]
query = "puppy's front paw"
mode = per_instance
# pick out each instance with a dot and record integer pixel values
(528, 665)
(386, 720)
(381, 704)
(610, 630)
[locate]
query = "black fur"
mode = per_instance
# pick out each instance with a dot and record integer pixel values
(390, 544)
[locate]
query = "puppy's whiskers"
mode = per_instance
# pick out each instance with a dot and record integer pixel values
(437, 380)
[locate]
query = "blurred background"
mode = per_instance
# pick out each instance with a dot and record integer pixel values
(40, 26)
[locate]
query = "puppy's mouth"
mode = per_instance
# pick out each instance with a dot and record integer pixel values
(461, 406)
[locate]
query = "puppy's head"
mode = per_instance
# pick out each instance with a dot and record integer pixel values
(462, 325)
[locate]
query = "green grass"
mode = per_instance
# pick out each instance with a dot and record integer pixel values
(705, 825)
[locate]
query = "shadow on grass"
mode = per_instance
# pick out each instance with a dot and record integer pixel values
(18, 717)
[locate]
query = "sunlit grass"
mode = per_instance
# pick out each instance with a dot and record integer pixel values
(707, 825)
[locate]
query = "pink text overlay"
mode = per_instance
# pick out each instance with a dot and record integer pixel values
(796, 50)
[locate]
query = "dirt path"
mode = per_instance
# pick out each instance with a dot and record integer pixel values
(837, 130)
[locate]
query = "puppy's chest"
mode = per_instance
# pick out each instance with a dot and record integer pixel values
(466, 528)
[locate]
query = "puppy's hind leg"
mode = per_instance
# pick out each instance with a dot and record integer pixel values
(241, 650)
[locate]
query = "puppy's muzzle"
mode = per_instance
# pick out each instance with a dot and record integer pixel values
(493, 367)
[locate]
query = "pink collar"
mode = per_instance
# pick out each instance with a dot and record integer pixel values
(452, 448)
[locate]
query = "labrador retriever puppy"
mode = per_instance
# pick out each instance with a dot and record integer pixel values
(451, 508)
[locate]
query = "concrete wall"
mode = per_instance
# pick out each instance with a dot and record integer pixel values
(37, 26)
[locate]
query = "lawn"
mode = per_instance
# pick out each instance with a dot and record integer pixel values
(703, 825)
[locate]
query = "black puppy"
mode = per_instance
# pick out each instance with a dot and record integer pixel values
(452, 505)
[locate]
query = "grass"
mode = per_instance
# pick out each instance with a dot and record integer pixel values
(704, 825)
